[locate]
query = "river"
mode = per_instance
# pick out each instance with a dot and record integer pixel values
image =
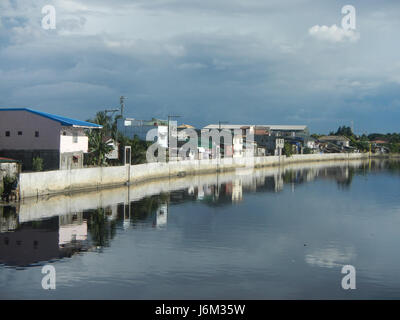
(273, 233)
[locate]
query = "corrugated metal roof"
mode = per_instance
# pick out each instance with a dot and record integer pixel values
(63, 120)
(286, 127)
(225, 126)
(333, 138)
(7, 160)
(270, 126)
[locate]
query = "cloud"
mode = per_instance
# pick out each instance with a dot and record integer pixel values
(250, 57)
(333, 33)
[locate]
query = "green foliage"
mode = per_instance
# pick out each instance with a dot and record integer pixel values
(9, 184)
(345, 131)
(394, 148)
(307, 150)
(138, 148)
(98, 147)
(37, 164)
(287, 149)
(389, 137)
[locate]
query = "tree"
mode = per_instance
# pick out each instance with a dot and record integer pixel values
(287, 149)
(138, 148)
(344, 131)
(98, 147)
(98, 138)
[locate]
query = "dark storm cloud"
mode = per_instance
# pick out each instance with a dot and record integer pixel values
(239, 61)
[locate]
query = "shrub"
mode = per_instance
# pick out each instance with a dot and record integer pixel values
(307, 150)
(37, 164)
(9, 184)
(288, 149)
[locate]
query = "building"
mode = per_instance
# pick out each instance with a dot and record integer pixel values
(26, 133)
(289, 130)
(114, 153)
(341, 141)
(130, 128)
(269, 139)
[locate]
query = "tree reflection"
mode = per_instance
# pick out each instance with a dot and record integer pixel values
(102, 231)
(146, 207)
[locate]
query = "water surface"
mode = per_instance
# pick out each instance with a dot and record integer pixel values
(278, 233)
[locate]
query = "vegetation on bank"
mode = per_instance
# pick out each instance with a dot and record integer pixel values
(391, 141)
(99, 142)
(99, 147)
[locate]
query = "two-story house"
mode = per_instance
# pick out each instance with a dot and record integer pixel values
(59, 141)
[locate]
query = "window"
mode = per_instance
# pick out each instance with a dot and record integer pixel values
(37, 134)
(20, 133)
(75, 137)
(64, 133)
(7, 133)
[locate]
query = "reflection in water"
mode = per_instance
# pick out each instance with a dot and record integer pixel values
(330, 257)
(34, 233)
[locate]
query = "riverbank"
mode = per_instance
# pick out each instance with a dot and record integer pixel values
(35, 184)
(31, 209)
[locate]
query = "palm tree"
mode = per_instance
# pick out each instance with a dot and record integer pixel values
(98, 146)
(98, 138)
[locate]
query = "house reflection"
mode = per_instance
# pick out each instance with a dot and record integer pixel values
(38, 241)
(73, 229)
(161, 217)
(26, 240)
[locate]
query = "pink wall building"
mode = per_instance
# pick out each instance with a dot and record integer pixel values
(59, 141)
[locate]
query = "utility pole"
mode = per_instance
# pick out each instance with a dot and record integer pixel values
(122, 104)
(169, 117)
(219, 149)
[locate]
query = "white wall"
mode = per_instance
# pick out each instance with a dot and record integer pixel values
(62, 204)
(28, 123)
(67, 143)
(42, 183)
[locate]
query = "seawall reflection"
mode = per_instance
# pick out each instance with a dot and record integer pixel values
(61, 226)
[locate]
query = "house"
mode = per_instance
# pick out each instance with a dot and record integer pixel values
(377, 142)
(26, 133)
(265, 135)
(130, 128)
(289, 130)
(338, 140)
(114, 153)
(237, 147)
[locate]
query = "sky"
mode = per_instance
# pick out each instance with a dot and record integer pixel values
(238, 61)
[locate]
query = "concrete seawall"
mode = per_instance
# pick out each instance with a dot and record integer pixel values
(31, 209)
(63, 181)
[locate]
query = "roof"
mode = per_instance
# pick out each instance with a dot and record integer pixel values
(185, 126)
(287, 127)
(7, 160)
(62, 120)
(271, 127)
(224, 126)
(333, 138)
(380, 141)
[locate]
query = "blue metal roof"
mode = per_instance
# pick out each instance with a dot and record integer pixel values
(63, 120)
